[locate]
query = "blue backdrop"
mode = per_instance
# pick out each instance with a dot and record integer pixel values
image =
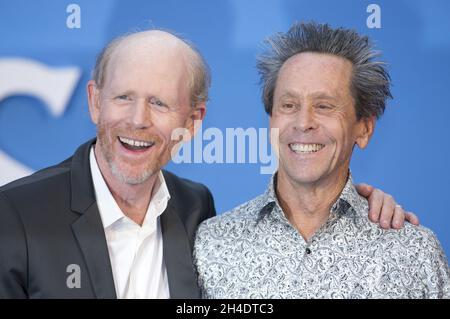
(407, 157)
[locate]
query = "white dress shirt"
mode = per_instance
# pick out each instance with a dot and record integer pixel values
(136, 252)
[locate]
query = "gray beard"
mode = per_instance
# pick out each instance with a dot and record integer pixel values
(129, 180)
(116, 172)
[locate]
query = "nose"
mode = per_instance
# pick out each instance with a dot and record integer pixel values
(141, 115)
(306, 119)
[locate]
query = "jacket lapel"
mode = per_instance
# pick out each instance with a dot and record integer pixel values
(177, 254)
(88, 228)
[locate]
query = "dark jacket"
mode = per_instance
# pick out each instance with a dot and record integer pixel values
(50, 220)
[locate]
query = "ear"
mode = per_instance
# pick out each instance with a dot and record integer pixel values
(195, 119)
(365, 128)
(93, 94)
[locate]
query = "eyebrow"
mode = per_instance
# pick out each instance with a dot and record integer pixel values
(316, 95)
(132, 92)
(117, 92)
(323, 96)
(289, 94)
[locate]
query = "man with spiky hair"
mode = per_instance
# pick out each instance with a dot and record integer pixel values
(308, 235)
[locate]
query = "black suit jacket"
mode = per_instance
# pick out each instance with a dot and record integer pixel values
(50, 220)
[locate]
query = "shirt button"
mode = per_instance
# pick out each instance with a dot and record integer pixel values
(308, 251)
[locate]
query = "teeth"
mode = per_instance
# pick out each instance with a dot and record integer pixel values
(306, 148)
(134, 142)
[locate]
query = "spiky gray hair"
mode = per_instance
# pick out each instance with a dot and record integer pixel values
(370, 84)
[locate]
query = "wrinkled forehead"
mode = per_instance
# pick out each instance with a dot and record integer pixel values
(310, 72)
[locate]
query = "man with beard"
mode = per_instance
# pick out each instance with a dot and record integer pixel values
(109, 222)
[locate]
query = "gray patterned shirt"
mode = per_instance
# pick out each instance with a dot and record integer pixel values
(254, 252)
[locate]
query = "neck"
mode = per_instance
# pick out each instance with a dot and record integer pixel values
(132, 199)
(307, 206)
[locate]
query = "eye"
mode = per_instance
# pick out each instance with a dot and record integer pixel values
(123, 97)
(324, 107)
(157, 102)
(287, 106)
(161, 106)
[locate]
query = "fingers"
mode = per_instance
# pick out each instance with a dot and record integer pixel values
(412, 218)
(399, 217)
(375, 205)
(387, 211)
(384, 210)
(364, 189)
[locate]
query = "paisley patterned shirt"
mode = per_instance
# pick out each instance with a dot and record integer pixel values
(254, 252)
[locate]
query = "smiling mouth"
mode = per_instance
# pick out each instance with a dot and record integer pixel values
(135, 145)
(301, 148)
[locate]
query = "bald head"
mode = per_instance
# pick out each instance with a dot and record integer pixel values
(153, 43)
(156, 45)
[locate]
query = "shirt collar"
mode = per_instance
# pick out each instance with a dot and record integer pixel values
(349, 197)
(110, 212)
